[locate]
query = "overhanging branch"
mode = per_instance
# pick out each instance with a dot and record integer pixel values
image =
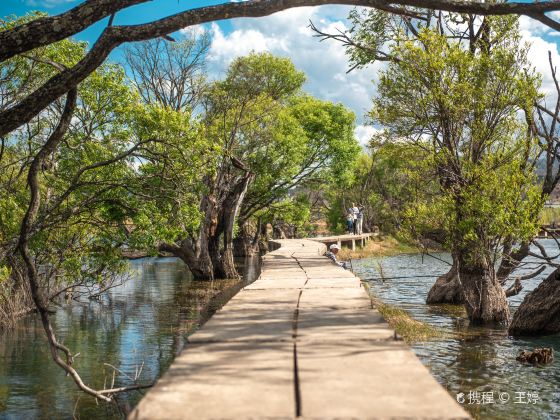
(113, 36)
(46, 30)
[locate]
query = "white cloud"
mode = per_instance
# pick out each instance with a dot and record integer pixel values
(534, 33)
(325, 63)
(364, 133)
(47, 3)
(538, 57)
(225, 48)
(287, 34)
(532, 26)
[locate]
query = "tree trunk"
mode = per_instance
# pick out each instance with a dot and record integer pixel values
(224, 267)
(447, 288)
(485, 299)
(195, 256)
(539, 313)
(224, 264)
(204, 256)
(196, 252)
(246, 244)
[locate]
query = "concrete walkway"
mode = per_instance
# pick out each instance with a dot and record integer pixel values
(302, 340)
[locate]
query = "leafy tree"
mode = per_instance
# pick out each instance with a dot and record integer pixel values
(462, 104)
(239, 115)
(82, 180)
(269, 139)
(317, 149)
(388, 177)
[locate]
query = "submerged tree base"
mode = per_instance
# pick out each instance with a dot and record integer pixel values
(539, 313)
(446, 290)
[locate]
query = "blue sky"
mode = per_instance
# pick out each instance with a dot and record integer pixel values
(286, 34)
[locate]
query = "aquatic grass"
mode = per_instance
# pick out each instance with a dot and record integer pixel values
(457, 311)
(410, 329)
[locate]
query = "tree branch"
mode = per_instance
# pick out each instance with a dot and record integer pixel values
(22, 38)
(47, 30)
(515, 288)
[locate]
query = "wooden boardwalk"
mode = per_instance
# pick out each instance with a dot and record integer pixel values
(301, 341)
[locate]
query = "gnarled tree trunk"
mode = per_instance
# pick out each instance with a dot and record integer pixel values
(205, 256)
(447, 288)
(539, 313)
(196, 252)
(224, 264)
(485, 299)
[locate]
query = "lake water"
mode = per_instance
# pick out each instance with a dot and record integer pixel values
(139, 326)
(143, 324)
(482, 363)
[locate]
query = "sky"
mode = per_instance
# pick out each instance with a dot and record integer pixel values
(287, 34)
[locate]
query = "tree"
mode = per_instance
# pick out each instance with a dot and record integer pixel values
(84, 178)
(44, 31)
(366, 42)
(240, 116)
(169, 74)
(317, 149)
(269, 140)
(461, 105)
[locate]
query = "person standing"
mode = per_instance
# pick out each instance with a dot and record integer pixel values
(360, 219)
(349, 221)
(355, 212)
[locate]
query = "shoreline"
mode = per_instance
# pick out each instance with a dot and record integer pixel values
(383, 246)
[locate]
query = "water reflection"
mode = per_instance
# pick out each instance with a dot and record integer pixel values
(138, 326)
(470, 358)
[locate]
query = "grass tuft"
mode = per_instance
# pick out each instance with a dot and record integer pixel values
(410, 329)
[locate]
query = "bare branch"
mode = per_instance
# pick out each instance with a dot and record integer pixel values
(346, 41)
(533, 274)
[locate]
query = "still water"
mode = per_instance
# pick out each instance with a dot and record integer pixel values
(142, 325)
(138, 327)
(482, 362)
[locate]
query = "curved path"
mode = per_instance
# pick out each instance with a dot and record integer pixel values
(302, 340)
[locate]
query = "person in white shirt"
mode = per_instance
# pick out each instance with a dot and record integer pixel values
(355, 211)
(331, 254)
